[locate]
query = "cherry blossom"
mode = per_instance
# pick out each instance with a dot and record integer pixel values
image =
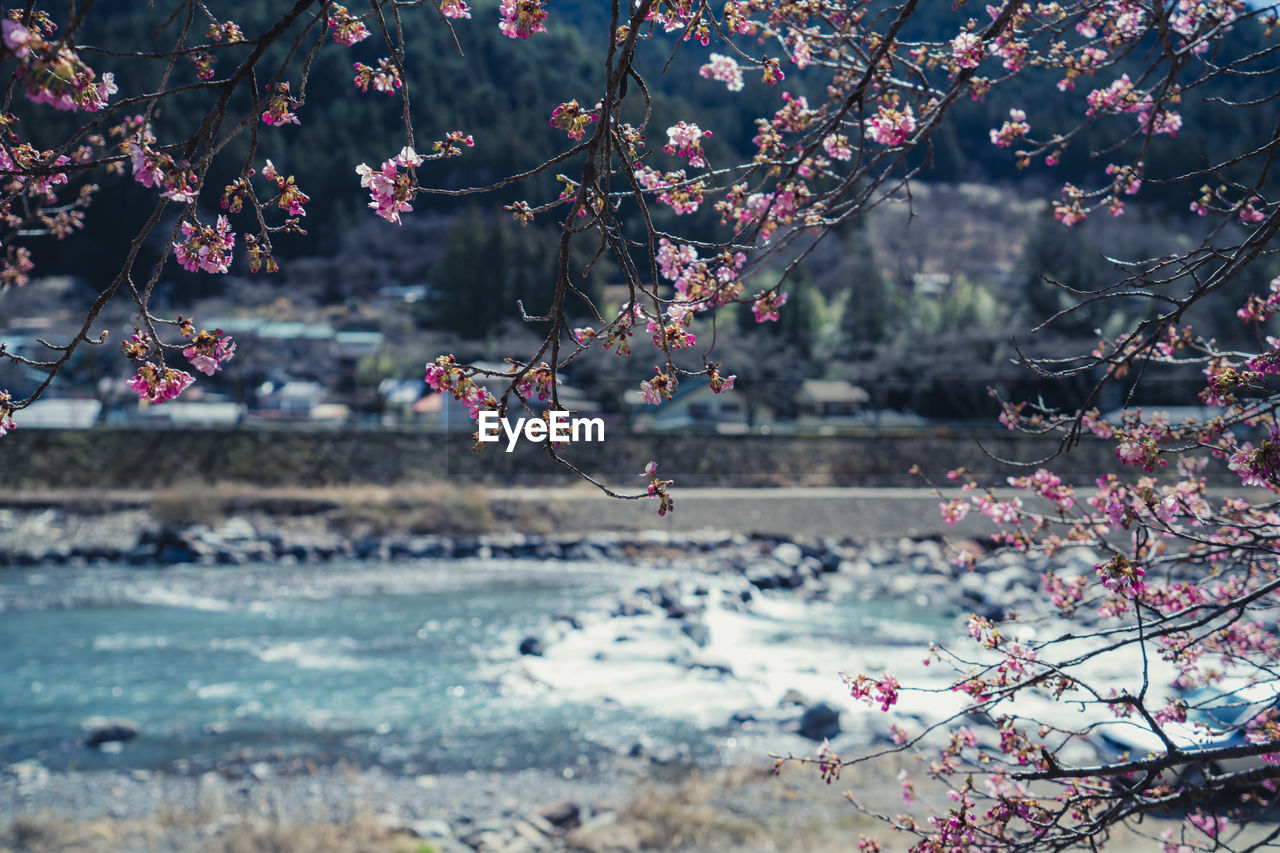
(389, 187)
(347, 30)
(892, 126)
(1013, 129)
(573, 119)
(279, 106)
(659, 389)
(685, 140)
(158, 384)
(725, 69)
(209, 351)
(385, 78)
(658, 488)
(522, 18)
(766, 306)
(456, 9)
(205, 249)
(967, 50)
(6, 414)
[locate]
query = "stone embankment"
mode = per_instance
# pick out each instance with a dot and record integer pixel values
(923, 570)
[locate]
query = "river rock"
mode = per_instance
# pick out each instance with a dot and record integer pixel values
(486, 840)
(565, 815)
(930, 550)
(762, 576)
(569, 619)
(716, 667)
(819, 721)
(629, 608)
(103, 730)
(532, 645)
(530, 834)
(698, 632)
(237, 529)
(788, 554)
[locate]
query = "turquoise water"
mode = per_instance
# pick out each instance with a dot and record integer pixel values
(407, 666)
(412, 666)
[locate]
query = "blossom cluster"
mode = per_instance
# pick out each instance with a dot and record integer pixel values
(280, 105)
(157, 169)
(1015, 128)
(205, 249)
(347, 29)
(455, 9)
(659, 389)
(725, 69)
(6, 414)
(385, 78)
(159, 384)
(766, 306)
(23, 159)
(446, 376)
(573, 119)
(390, 188)
(685, 140)
(674, 188)
(537, 382)
(701, 284)
(15, 266)
(289, 197)
(891, 125)
(658, 488)
(208, 351)
(51, 71)
(521, 19)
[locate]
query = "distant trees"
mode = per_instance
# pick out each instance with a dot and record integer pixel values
(490, 267)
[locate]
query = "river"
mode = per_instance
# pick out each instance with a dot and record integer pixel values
(412, 666)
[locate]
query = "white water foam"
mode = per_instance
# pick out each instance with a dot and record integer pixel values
(310, 654)
(162, 597)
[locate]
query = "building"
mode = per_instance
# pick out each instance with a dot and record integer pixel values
(695, 406)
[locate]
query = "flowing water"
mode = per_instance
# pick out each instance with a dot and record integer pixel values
(412, 666)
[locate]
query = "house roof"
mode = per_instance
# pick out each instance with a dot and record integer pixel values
(833, 391)
(60, 413)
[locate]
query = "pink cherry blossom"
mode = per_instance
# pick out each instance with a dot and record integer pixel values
(159, 384)
(892, 126)
(725, 69)
(767, 305)
(347, 30)
(522, 18)
(455, 9)
(209, 351)
(685, 140)
(967, 50)
(205, 249)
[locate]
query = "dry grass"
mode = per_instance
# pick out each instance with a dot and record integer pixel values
(739, 809)
(416, 509)
(45, 833)
(420, 509)
(744, 810)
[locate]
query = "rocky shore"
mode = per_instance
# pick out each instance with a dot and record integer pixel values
(923, 570)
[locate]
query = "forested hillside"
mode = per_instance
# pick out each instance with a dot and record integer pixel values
(924, 312)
